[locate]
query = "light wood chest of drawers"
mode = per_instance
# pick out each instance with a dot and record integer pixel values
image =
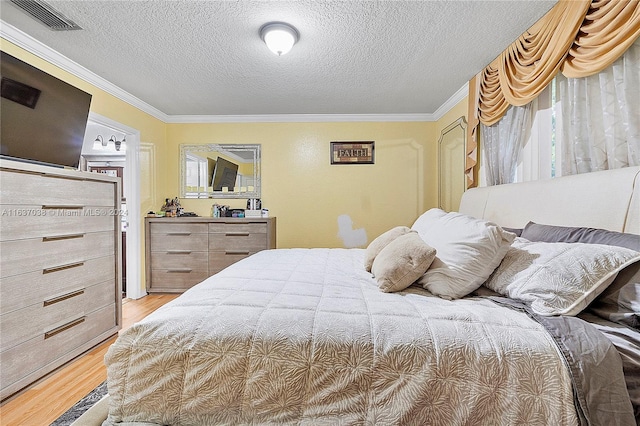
(60, 291)
(181, 252)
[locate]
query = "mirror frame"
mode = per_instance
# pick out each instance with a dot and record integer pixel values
(462, 124)
(212, 147)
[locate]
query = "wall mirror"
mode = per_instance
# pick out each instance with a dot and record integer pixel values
(451, 165)
(220, 171)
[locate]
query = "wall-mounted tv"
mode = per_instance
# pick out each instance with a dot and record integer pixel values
(224, 175)
(43, 119)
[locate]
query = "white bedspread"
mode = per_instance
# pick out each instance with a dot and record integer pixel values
(304, 336)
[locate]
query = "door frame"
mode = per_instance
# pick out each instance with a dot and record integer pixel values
(134, 227)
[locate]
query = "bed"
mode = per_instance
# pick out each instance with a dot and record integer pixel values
(311, 336)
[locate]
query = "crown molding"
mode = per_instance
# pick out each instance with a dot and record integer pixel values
(299, 118)
(451, 102)
(31, 45)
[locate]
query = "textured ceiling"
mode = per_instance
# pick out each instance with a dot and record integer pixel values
(353, 57)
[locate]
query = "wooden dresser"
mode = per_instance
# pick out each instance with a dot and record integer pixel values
(60, 287)
(183, 251)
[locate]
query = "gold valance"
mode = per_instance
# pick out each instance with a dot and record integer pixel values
(609, 29)
(577, 37)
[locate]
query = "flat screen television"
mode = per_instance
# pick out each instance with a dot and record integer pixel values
(224, 174)
(43, 119)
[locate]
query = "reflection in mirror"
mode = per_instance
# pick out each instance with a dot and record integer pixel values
(220, 171)
(451, 165)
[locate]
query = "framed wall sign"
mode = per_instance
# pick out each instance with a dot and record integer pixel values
(360, 152)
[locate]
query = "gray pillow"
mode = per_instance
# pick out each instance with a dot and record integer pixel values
(620, 302)
(565, 234)
(517, 231)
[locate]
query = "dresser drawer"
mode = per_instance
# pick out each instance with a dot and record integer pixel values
(238, 243)
(238, 228)
(220, 260)
(19, 291)
(177, 260)
(24, 221)
(179, 242)
(177, 280)
(35, 320)
(36, 189)
(184, 229)
(36, 354)
(52, 256)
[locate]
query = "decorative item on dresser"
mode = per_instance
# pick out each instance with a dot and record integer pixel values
(183, 251)
(60, 281)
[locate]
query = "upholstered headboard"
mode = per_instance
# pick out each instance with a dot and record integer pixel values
(608, 199)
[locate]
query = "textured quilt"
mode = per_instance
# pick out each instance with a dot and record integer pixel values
(304, 336)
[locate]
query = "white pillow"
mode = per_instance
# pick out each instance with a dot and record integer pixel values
(468, 250)
(401, 262)
(381, 242)
(558, 278)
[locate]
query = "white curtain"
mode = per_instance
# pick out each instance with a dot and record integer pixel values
(502, 144)
(600, 117)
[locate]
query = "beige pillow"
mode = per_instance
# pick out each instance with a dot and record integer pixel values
(379, 243)
(401, 262)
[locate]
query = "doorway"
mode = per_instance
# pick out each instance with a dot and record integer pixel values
(101, 156)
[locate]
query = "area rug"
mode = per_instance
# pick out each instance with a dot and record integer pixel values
(73, 413)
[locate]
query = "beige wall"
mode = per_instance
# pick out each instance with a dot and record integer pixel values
(459, 110)
(306, 193)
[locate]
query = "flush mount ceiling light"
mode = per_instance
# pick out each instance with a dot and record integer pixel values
(279, 37)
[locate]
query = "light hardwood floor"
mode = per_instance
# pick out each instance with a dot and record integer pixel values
(48, 399)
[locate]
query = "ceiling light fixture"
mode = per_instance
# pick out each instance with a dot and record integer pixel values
(279, 37)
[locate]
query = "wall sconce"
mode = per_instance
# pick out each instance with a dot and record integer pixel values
(119, 145)
(99, 144)
(112, 144)
(279, 37)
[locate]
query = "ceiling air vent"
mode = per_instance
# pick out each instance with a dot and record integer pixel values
(47, 15)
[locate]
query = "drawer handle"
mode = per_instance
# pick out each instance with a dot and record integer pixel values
(182, 270)
(64, 327)
(63, 297)
(236, 252)
(178, 251)
(62, 207)
(62, 267)
(61, 237)
(237, 234)
(179, 233)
